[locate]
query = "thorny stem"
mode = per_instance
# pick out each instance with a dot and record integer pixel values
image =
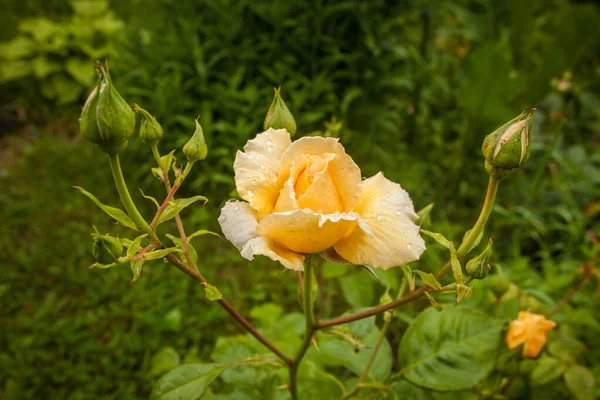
(309, 330)
(137, 218)
(462, 251)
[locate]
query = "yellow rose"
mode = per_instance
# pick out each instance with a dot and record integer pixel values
(308, 197)
(530, 329)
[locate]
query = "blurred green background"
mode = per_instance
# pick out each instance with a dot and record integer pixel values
(417, 85)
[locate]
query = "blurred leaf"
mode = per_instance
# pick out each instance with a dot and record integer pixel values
(358, 291)
(81, 70)
(189, 381)
(546, 370)
(428, 279)
(451, 350)
(438, 237)
(580, 382)
(17, 48)
(163, 361)
(212, 293)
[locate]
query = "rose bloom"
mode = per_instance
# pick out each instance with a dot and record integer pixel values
(308, 197)
(531, 329)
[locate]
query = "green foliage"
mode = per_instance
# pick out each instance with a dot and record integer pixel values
(50, 58)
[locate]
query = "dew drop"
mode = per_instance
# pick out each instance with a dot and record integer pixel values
(398, 213)
(379, 218)
(165, 260)
(250, 193)
(237, 208)
(408, 246)
(254, 181)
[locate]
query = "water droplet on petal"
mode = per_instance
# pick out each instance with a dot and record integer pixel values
(408, 246)
(250, 193)
(398, 213)
(379, 218)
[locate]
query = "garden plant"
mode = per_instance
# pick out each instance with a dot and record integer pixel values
(305, 202)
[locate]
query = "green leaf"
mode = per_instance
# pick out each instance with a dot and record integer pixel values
(160, 253)
(114, 212)
(267, 313)
(89, 7)
(410, 277)
(189, 382)
(456, 268)
(13, 70)
(135, 246)
(174, 207)
(463, 292)
(81, 70)
(429, 279)
(344, 333)
(19, 47)
(202, 232)
(451, 350)
(42, 66)
(546, 370)
(425, 215)
(136, 268)
(438, 237)
(212, 293)
(165, 360)
(358, 289)
(580, 382)
(476, 242)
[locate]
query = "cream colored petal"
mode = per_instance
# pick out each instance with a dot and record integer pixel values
(321, 195)
(390, 214)
(344, 173)
(256, 169)
(304, 231)
(238, 222)
(287, 200)
(266, 247)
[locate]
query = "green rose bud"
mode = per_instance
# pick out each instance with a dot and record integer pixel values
(150, 129)
(508, 146)
(106, 249)
(279, 115)
(106, 119)
(478, 267)
(499, 283)
(195, 149)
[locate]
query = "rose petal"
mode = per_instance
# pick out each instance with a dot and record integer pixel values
(256, 169)
(305, 231)
(389, 212)
(238, 222)
(266, 247)
(344, 173)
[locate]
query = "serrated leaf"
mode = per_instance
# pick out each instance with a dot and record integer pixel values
(451, 350)
(189, 382)
(174, 207)
(433, 302)
(438, 237)
(456, 268)
(135, 246)
(429, 279)
(425, 215)
(212, 293)
(114, 212)
(136, 268)
(159, 253)
(152, 199)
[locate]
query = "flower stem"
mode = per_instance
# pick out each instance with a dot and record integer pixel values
(309, 329)
(132, 211)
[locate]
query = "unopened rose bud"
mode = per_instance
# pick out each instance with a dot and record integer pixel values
(478, 267)
(195, 149)
(279, 115)
(106, 249)
(106, 119)
(150, 129)
(508, 146)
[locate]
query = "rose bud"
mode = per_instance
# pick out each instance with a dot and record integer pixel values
(279, 115)
(195, 149)
(106, 249)
(150, 129)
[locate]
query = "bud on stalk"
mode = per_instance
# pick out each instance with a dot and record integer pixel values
(508, 146)
(106, 119)
(195, 149)
(279, 115)
(106, 249)
(150, 129)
